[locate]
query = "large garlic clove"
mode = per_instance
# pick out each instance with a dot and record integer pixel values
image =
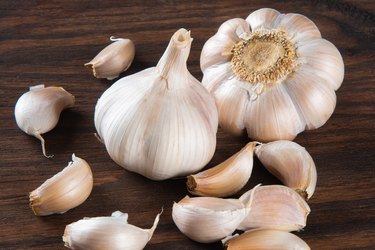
(262, 19)
(314, 99)
(291, 164)
(266, 239)
(275, 115)
(65, 190)
(275, 207)
(109, 233)
(208, 219)
(160, 122)
(323, 59)
(226, 178)
(113, 59)
(218, 48)
(37, 111)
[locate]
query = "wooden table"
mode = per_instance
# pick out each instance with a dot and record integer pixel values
(49, 41)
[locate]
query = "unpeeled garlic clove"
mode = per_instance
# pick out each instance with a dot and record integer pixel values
(37, 111)
(65, 190)
(275, 207)
(208, 219)
(226, 178)
(266, 239)
(291, 164)
(113, 59)
(109, 233)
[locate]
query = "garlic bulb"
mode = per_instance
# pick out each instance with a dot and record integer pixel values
(266, 239)
(160, 122)
(37, 111)
(208, 219)
(271, 74)
(65, 190)
(274, 207)
(226, 178)
(109, 233)
(113, 59)
(291, 164)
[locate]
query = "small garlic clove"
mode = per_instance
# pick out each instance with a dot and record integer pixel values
(218, 48)
(291, 164)
(226, 178)
(113, 59)
(208, 219)
(37, 111)
(262, 19)
(275, 207)
(65, 190)
(109, 233)
(266, 239)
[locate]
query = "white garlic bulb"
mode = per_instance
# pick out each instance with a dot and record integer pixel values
(113, 59)
(160, 122)
(37, 111)
(271, 74)
(291, 164)
(65, 190)
(208, 219)
(109, 233)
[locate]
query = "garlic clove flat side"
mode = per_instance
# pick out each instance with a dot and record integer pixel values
(274, 207)
(65, 190)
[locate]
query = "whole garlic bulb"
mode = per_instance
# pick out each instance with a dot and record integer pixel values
(271, 74)
(160, 122)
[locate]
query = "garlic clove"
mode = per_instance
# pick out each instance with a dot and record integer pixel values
(298, 27)
(218, 48)
(276, 116)
(110, 233)
(291, 164)
(113, 59)
(266, 239)
(216, 75)
(313, 97)
(65, 190)
(274, 207)
(226, 178)
(208, 219)
(160, 122)
(262, 19)
(324, 59)
(37, 111)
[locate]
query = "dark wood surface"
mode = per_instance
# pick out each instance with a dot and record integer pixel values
(49, 41)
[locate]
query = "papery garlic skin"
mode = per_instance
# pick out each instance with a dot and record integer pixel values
(266, 239)
(291, 164)
(113, 59)
(109, 233)
(272, 75)
(208, 219)
(160, 122)
(65, 190)
(225, 179)
(274, 207)
(38, 110)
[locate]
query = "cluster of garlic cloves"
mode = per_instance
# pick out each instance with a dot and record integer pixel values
(110, 233)
(209, 219)
(226, 178)
(291, 164)
(160, 122)
(272, 75)
(265, 239)
(274, 207)
(113, 59)
(65, 190)
(38, 110)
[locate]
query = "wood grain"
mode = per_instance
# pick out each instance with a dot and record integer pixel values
(49, 41)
